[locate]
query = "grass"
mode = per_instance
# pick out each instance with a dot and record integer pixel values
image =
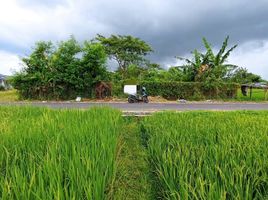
(133, 181)
(209, 155)
(257, 95)
(63, 154)
(9, 96)
(97, 154)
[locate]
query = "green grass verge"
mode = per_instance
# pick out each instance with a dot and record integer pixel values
(9, 96)
(209, 155)
(133, 179)
(257, 95)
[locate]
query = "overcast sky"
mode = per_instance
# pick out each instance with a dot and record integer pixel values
(171, 27)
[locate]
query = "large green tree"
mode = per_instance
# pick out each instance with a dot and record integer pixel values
(126, 50)
(35, 77)
(93, 65)
(61, 71)
(65, 66)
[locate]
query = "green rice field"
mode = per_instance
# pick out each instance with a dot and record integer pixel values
(257, 95)
(47, 154)
(209, 155)
(98, 154)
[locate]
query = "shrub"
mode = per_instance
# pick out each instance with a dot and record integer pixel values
(2, 88)
(63, 71)
(191, 90)
(117, 89)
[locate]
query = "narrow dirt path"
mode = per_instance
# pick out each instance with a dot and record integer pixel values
(133, 173)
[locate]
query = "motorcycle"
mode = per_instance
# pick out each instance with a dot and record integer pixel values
(134, 96)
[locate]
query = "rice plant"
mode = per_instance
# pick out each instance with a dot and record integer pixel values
(57, 154)
(209, 155)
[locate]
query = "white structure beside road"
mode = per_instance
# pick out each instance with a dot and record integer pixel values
(130, 89)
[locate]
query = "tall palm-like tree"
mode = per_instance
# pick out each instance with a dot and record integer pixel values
(209, 65)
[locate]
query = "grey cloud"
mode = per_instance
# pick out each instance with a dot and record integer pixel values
(178, 31)
(172, 27)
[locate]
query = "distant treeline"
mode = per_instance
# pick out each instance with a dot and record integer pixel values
(68, 69)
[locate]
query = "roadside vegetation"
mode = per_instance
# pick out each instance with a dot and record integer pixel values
(98, 154)
(9, 96)
(68, 69)
(258, 95)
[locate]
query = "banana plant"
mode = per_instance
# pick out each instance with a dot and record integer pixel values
(207, 65)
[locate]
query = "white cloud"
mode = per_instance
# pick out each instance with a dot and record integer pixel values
(22, 25)
(9, 63)
(253, 56)
(172, 26)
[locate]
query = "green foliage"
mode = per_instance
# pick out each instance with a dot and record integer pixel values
(209, 155)
(2, 88)
(65, 69)
(190, 90)
(209, 66)
(125, 50)
(175, 74)
(57, 154)
(69, 69)
(94, 154)
(258, 95)
(133, 180)
(92, 67)
(241, 75)
(9, 96)
(134, 72)
(152, 73)
(39, 60)
(61, 72)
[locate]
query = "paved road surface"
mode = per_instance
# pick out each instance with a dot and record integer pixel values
(141, 107)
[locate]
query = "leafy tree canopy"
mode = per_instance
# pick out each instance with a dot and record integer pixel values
(61, 71)
(125, 50)
(241, 75)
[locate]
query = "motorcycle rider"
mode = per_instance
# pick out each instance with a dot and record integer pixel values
(143, 91)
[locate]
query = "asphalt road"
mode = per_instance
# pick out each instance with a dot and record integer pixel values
(141, 107)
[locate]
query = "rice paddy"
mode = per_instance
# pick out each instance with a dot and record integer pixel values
(209, 155)
(98, 154)
(258, 95)
(46, 154)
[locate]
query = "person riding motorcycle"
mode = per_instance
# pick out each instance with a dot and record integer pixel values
(143, 91)
(141, 96)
